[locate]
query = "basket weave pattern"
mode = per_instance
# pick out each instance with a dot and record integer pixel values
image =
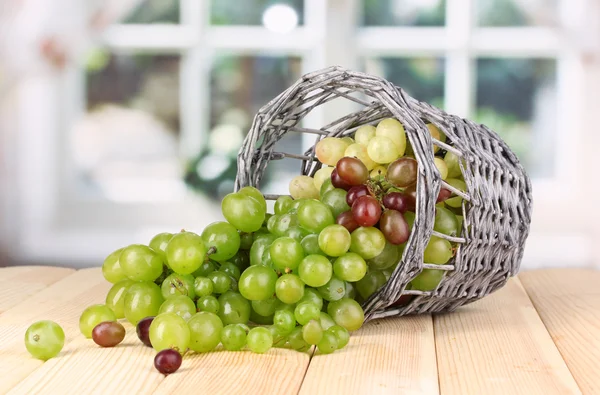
(496, 206)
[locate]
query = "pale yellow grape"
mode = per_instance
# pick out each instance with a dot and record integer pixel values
(360, 151)
(453, 166)
(436, 134)
(382, 150)
(348, 139)
(442, 167)
(321, 175)
(364, 134)
(330, 150)
(393, 130)
(303, 187)
(378, 171)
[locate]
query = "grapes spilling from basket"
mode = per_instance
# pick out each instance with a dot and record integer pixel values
(293, 279)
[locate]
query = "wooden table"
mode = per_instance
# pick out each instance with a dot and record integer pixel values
(540, 334)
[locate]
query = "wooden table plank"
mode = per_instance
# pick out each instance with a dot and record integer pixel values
(278, 371)
(388, 356)
(568, 301)
(17, 283)
(499, 345)
(62, 302)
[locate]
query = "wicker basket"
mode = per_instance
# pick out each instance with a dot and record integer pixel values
(496, 208)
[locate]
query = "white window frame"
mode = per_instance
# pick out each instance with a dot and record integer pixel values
(55, 224)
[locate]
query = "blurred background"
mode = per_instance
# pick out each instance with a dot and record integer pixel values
(120, 119)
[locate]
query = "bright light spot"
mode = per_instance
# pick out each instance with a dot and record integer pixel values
(212, 166)
(280, 18)
(226, 139)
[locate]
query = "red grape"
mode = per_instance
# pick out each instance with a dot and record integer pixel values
(356, 192)
(346, 219)
(402, 172)
(352, 170)
(411, 201)
(443, 195)
(396, 201)
(143, 330)
(402, 300)
(394, 227)
(366, 211)
(167, 361)
(338, 181)
(108, 334)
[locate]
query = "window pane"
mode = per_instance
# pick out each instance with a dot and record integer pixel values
(125, 146)
(517, 99)
(422, 78)
(274, 14)
(240, 86)
(404, 12)
(517, 13)
(155, 11)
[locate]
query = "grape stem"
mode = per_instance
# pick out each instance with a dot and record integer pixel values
(211, 250)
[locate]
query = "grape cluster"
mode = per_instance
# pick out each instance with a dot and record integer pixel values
(294, 278)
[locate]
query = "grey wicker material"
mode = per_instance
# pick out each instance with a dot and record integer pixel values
(496, 206)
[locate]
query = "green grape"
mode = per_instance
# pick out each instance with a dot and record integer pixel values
(336, 201)
(325, 320)
(244, 212)
(326, 187)
(140, 263)
(231, 270)
(452, 161)
(205, 331)
(260, 319)
(223, 238)
(364, 134)
(284, 321)
(427, 280)
(314, 216)
(185, 252)
(266, 307)
(324, 173)
(368, 242)
(257, 283)
(335, 240)
(178, 284)
(246, 240)
(205, 268)
(279, 340)
(142, 300)
(313, 296)
(289, 288)
(310, 245)
(259, 340)
(221, 282)
(208, 303)
(180, 305)
(259, 247)
(297, 233)
(370, 283)
(241, 260)
(305, 312)
(346, 313)
(456, 201)
(283, 223)
(303, 187)
(388, 257)
(441, 166)
(267, 261)
(445, 222)
(44, 339)
(159, 244)
(203, 286)
(94, 315)
(393, 130)
(312, 333)
(328, 343)
(233, 308)
(409, 216)
(116, 297)
(282, 204)
(341, 334)
(271, 223)
(169, 330)
(382, 150)
(335, 289)
(296, 340)
(296, 205)
(315, 270)
(256, 194)
(437, 251)
(233, 337)
(112, 270)
(350, 267)
(286, 254)
(350, 291)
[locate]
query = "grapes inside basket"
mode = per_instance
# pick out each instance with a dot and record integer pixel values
(400, 208)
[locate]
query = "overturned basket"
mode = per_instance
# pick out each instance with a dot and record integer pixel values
(496, 208)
